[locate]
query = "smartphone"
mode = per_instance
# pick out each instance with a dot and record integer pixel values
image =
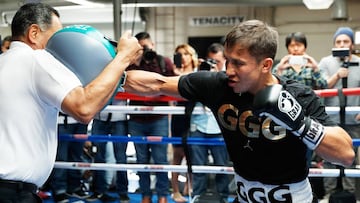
(297, 60)
(177, 60)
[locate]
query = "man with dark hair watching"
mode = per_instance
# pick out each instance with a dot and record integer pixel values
(216, 52)
(298, 65)
(151, 125)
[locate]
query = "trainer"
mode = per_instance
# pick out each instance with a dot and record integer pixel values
(267, 122)
(34, 87)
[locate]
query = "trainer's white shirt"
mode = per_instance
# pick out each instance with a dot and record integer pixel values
(33, 85)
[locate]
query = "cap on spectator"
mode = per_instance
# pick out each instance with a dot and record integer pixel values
(344, 31)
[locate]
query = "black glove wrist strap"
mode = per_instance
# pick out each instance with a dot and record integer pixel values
(312, 134)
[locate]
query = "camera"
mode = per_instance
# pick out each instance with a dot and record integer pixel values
(343, 54)
(340, 52)
(297, 60)
(208, 64)
(149, 54)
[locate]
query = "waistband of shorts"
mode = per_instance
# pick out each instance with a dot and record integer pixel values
(293, 192)
(18, 185)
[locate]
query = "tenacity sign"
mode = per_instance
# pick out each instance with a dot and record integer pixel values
(204, 21)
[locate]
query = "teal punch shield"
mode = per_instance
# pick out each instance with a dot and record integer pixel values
(83, 50)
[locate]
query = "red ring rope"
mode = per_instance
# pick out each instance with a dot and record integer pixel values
(163, 98)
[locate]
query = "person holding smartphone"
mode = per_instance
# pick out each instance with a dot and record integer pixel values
(336, 70)
(298, 65)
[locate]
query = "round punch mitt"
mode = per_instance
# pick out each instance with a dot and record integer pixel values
(82, 49)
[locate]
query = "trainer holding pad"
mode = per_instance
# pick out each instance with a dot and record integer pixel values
(35, 86)
(285, 110)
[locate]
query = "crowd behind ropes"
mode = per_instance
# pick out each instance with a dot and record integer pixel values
(335, 71)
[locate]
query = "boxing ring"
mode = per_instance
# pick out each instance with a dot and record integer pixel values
(314, 172)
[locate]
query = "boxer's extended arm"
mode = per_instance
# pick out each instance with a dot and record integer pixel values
(336, 147)
(332, 143)
(149, 83)
(83, 103)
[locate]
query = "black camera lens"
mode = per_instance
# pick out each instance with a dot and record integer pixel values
(208, 64)
(149, 54)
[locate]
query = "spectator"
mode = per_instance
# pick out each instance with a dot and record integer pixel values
(65, 183)
(306, 69)
(189, 59)
(151, 125)
(114, 124)
(336, 69)
(5, 44)
(179, 123)
(205, 126)
(216, 52)
(34, 89)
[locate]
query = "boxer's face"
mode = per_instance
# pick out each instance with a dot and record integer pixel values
(241, 68)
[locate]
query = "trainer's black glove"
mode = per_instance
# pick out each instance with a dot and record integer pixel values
(284, 110)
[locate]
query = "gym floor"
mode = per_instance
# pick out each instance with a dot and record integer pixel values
(134, 198)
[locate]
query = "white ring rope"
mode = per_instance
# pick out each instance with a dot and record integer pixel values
(144, 167)
(197, 110)
(179, 110)
(151, 109)
(314, 172)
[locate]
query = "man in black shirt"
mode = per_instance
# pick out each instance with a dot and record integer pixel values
(267, 122)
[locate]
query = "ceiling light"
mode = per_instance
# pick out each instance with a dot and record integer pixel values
(318, 4)
(85, 3)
